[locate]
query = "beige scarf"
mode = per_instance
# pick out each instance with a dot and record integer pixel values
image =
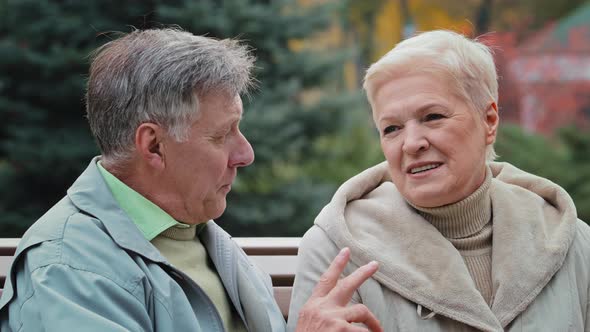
(533, 226)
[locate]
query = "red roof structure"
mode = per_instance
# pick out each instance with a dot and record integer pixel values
(553, 72)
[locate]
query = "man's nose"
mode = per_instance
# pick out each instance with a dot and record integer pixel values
(243, 154)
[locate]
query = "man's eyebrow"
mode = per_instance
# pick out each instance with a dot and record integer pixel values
(232, 120)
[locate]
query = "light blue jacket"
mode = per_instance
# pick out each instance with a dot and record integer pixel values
(85, 266)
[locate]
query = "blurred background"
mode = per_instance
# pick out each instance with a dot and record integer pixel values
(308, 121)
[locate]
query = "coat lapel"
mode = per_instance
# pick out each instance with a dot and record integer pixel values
(251, 298)
(534, 226)
(213, 238)
(417, 262)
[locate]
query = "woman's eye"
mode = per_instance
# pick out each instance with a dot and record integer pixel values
(390, 129)
(433, 116)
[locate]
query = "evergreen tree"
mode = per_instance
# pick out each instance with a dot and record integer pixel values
(563, 159)
(45, 141)
(577, 171)
(277, 195)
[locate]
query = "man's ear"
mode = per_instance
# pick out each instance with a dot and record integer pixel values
(148, 142)
(491, 122)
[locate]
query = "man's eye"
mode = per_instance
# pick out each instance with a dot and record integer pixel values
(219, 138)
(433, 116)
(390, 129)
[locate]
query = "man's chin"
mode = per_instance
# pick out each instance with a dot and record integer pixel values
(219, 209)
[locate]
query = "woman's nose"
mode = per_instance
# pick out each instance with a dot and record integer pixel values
(414, 140)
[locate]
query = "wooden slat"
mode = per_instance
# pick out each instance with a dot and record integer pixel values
(280, 268)
(5, 262)
(8, 246)
(276, 256)
(269, 246)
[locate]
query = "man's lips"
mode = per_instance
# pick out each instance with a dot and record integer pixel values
(226, 186)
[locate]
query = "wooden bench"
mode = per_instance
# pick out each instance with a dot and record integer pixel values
(277, 256)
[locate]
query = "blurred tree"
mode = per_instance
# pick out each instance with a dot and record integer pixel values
(286, 117)
(44, 138)
(541, 12)
(531, 152)
(360, 23)
(577, 174)
(483, 16)
(564, 159)
(374, 27)
(522, 17)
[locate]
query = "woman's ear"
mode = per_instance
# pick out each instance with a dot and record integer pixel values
(491, 122)
(148, 143)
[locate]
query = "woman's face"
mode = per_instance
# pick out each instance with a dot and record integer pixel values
(434, 142)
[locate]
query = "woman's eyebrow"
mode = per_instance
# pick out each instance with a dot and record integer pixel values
(420, 111)
(429, 106)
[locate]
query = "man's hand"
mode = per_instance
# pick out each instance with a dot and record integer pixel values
(327, 309)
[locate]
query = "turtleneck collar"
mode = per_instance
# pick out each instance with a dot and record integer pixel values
(465, 218)
(183, 233)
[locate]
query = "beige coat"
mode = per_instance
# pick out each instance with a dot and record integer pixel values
(540, 258)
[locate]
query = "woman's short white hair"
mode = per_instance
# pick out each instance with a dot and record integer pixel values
(468, 63)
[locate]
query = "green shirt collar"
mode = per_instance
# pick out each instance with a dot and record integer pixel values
(147, 216)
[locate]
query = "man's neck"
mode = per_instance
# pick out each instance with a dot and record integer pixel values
(150, 184)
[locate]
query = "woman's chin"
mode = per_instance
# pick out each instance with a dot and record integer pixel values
(430, 199)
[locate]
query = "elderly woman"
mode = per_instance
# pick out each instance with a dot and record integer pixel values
(463, 243)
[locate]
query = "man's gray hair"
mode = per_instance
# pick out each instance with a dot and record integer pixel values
(158, 76)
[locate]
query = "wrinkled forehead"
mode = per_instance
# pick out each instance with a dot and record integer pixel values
(435, 83)
(219, 106)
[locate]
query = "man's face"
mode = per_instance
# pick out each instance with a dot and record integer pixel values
(434, 142)
(199, 171)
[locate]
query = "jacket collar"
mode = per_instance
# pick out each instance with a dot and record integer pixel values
(533, 227)
(245, 289)
(92, 196)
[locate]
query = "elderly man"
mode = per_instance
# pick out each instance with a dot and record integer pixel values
(132, 245)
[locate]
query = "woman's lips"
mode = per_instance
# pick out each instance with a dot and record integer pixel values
(424, 170)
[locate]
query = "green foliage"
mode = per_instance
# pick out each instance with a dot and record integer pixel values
(44, 139)
(542, 11)
(306, 143)
(45, 143)
(564, 159)
(277, 195)
(577, 170)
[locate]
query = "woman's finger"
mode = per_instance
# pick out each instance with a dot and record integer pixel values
(359, 313)
(342, 292)
(329, 279)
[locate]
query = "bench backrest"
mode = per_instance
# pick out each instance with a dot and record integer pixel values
(277, 256)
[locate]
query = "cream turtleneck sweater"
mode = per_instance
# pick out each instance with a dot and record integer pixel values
(183, 249)
(467, 224)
